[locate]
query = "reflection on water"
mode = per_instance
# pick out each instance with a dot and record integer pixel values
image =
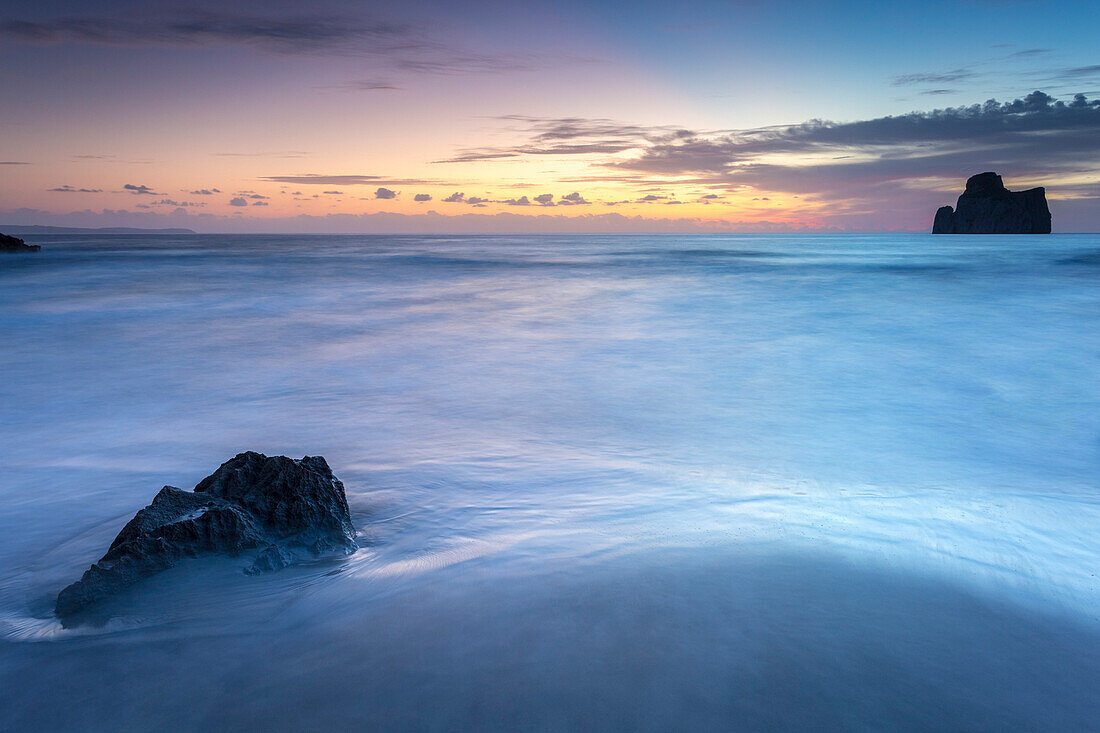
(603, 482)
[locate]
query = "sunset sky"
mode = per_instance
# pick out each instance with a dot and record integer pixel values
(566, 116)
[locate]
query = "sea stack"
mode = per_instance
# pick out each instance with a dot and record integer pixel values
(15, 244)
(987, 207)
(275, 510)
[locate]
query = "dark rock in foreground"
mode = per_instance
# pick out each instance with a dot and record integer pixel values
(14, 244)
(284, 508)
(987, 207)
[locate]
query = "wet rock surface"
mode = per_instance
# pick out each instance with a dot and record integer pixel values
(987, 207)
(286, 509)
(15, 244)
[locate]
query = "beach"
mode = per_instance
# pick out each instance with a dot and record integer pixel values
(646, 482)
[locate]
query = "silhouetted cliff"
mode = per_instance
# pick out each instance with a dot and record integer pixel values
(987, 207)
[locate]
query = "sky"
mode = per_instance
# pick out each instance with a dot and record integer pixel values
(422, 116)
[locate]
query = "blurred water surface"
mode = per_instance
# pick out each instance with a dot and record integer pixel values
(622, 482)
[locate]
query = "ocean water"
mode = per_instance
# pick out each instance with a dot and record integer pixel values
(602, 482)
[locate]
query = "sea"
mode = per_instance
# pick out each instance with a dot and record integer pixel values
(757, 482)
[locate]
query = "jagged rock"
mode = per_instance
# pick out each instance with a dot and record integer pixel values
(987, 207)
(945, 221)
(15, 244)
(285, 508)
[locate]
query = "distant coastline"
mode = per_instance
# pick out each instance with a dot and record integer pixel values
(89, 230)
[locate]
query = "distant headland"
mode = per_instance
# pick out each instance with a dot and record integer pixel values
(15, 244)
(89, 230)
(987, 207)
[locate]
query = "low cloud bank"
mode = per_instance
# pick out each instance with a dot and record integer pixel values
(431, 222)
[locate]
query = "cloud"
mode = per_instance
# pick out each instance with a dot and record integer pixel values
(573, 128)
(421, 197)
(178, 204)
(205, 192)
(259, 203)
(302, 34)
(348, 180)
(13, 162)
(385, 193)
(546, 199)
(1080, 71)
(594, 148)
(441, 60)
(333, 193)
(1029, 52)
(70, 189)
(365, 85)
(570, 136)
(572, 199)
(141, 190)
(470, 156)
(430, 222)
(461, 198)
(1035, 133)
(238, 201)
(945, 77)
(521, 201)
(404, 46)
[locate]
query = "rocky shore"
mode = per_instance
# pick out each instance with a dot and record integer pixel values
(282, 509)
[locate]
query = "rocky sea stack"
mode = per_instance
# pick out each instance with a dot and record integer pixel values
(283, 509)
(987, 207)
(15, 244)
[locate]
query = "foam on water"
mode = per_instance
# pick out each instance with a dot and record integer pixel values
(602, 482)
